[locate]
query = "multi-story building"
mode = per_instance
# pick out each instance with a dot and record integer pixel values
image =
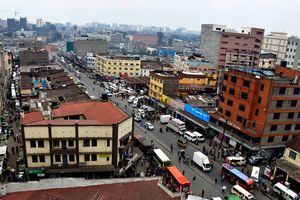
(85, 45)
(23, 23)
(118, 65)
(275, 42)
(87, 138)
(39, 23)
(226, 47)
(267, 60)
(179, 45)
(292, 55)
(163, 83)
(148, 65)
(33, 57)
(258, 108)
(90, 61)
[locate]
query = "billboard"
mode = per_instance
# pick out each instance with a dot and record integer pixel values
(197, 112)
(166, 53)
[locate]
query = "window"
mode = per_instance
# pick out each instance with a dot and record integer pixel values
(298, 115)
(246, 83)
(108, 142)
(229, 102)
(71, 158)
(244, 95)
(233, 79)
(254, 124)
(279, 103)
(285, 138)
(40, 143)
(32, 144)
(94, 157)
(276, 115)
(94, 142)
(273, 128)
(261, 88)
(242, 107)
(293, 103)
(42, 158)
(107, 158)
(86, 157)
(259, 99)
(296, 91)
(287, 127)
(71, 143)
(231, 91)
(224, 88)
(228, 113)
(34, 159)
(290, 115)
(86, 143)
(57, 158)
(292, 155)
(225, 77)
(282, 90)
(239, 119)
(270, 139)
(256, 112)
(297, 127)
(55, 143)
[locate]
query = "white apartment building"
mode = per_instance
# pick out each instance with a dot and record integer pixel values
(275, 42)
(90, 61)
(292, 56)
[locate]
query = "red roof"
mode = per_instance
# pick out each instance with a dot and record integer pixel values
(130, 190)
(145, 38)
(31, 117)
(294, 144)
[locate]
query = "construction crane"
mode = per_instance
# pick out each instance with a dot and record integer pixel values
(9, 11)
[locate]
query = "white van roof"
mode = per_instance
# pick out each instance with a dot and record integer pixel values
(286, 190)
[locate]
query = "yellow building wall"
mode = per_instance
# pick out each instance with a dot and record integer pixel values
(125, 127)
(165, 99)
(156, 88)
(94, 131)
(37, 150)
(101, 160)
(47, 162)
(36, 132)
(200, 81)
(286, 157)
(63, 131)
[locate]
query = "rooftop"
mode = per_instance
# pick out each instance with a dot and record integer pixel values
(137, 80)
(32, 117)
(294, 144)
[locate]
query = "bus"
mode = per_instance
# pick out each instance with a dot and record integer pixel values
(237, 177)
(161, 159)
(177, 181)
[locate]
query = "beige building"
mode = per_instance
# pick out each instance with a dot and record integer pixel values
(115, 66)
(275, 42)
(267, 60)
(81, 138)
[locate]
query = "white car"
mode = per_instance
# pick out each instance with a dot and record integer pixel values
(135, 103)
(137, 118)
(130, 99)
(149, 126)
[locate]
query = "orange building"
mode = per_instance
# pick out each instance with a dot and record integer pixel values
(258, 108)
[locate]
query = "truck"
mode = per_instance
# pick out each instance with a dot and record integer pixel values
(201, 160)
(177, 126)
(165, 119)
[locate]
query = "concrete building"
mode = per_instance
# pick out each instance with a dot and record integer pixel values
(85, 45)
(292, 55)
(33, 56)
(39, 23)
(275, 42)
(116, 66)
(179, 45)
(90, 61)
(226, 47)
(287, 168)
(267, 60)
(258, 108)
(86, 138)
(148, 66)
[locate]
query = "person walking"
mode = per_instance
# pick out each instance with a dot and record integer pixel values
(224, 189)
(202, 195)
(13, 150)
(183, 172)
(179, 158)
(222, 179)
(216, 181)
(194, 178)
(171, 147)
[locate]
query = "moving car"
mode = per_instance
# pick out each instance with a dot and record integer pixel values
(149, 126)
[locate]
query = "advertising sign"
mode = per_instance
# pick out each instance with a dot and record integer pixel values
(197, 112)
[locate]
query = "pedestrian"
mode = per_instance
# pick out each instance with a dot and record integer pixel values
(216, 181)
(202, 193)
(224, 189)
(13, 150)
(218, 155)
(242, 170)
(183, 172)
(17, 149)
(179, 158)
(171, 147)
(194, 178)
(248, 172)
(222, 179)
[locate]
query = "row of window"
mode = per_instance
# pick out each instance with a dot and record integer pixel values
(124, 68)
(291, 115)
(137, 64)
(279, 103)
(124, 73)
(57, 143)
(93, 142)
(58, 158)
(282, 91)
(244, 95)
(283, 139)
(287, 127)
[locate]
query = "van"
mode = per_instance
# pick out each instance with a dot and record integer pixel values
(182, 143)
(284, 192)
(190, 136)
(236, 160)
(199, 136)
(255, 174)
(242, 193)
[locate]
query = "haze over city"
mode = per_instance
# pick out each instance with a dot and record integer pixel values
(272, 15)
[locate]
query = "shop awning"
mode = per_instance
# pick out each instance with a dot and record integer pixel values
(35, 171)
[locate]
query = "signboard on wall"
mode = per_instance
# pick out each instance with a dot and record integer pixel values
(197, 112)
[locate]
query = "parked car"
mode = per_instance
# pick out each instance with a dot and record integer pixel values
(137, 118)
(149, 126)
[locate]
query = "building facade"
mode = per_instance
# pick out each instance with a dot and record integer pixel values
(80, 138)
(267, 60)
(258, 108)
(33, 57)
(275, 42)
(85, 45)
(292, 55)
(116, 66)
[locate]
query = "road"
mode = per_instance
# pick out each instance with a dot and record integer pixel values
(204, 180)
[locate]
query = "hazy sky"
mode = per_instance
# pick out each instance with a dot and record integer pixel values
(273, 15)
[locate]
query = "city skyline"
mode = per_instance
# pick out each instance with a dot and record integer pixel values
(189, 14)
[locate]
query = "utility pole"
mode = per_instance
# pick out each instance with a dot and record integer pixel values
(223, 134)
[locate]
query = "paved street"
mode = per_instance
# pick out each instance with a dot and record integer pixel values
(204, 180)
